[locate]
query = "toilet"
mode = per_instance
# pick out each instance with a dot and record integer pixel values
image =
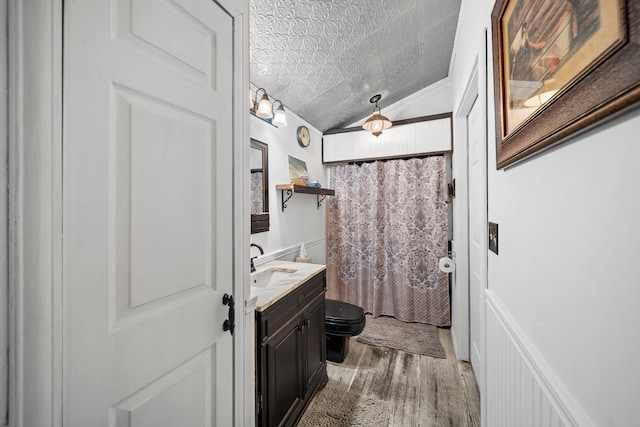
(342, 320)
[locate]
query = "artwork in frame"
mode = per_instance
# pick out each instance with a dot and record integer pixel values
(560, 66)
(298, 172)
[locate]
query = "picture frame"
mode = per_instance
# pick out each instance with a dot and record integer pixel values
(579, 58)
(259, 186)
(298, 174)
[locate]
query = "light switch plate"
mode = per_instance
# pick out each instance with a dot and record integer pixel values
(493, 237)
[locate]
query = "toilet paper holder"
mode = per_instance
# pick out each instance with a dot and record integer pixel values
(447, 264)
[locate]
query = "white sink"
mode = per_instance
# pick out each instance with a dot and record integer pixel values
(272, 277)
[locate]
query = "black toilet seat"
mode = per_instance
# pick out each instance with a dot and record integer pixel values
(343, 319)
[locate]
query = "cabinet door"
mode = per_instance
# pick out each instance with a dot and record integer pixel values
(315, 344)
(284, 375)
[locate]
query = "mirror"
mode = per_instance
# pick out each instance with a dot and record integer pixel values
(259, 163)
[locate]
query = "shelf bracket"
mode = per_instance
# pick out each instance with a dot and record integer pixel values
(284, 201)
(320, 199)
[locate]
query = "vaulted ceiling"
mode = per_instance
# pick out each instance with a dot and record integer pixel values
(324, 59)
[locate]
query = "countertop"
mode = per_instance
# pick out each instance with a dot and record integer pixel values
(269, 296)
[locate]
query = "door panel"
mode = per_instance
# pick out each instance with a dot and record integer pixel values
(315, 340)
(179, 34)
(284, 376)
(147, 170)
(162, 176)
(145, 407)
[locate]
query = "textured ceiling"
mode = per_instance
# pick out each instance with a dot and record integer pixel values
(324, 59)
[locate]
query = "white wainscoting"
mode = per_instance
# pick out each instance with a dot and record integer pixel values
(522, 390)
(316, 250)
(431, 136)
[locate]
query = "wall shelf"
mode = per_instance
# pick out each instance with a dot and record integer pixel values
(320, 192)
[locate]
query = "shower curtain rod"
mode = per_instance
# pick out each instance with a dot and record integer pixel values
(384, 159)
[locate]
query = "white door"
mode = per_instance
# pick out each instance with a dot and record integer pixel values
(147, 219)
(477, 237)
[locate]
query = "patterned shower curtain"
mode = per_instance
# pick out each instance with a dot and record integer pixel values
(387, 229)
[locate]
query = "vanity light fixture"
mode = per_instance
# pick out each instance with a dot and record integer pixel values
(279, 118)
(263, 107)
(377, 122)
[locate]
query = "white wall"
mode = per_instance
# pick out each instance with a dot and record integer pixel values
(301, 222)
(566, 277)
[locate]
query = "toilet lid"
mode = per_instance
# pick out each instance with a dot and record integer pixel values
(342, 313)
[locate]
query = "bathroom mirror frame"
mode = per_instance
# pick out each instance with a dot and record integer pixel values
(260, 221)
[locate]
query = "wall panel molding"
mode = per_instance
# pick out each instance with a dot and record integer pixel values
(522, 389)
(406, 138)
(314, 247)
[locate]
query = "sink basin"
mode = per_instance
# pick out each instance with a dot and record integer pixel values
(271, 277)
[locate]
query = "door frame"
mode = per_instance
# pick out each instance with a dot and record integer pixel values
(475, 91)
(36, 311)
(460, 299)
(4, 200)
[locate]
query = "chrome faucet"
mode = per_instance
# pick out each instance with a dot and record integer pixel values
(253, 267)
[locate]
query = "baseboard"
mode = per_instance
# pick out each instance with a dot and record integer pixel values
(521, 387)
(454, 341)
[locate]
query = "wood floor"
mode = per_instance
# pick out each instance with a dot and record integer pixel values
(420, 390)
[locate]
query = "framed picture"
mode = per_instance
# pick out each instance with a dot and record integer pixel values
(298, 172)
(560, 66)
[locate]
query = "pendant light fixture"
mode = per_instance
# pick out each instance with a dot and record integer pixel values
(377, 122)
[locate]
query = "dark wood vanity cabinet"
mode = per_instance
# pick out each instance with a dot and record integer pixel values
(291, 354)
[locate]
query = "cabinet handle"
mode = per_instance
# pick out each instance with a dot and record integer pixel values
(229, 324)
